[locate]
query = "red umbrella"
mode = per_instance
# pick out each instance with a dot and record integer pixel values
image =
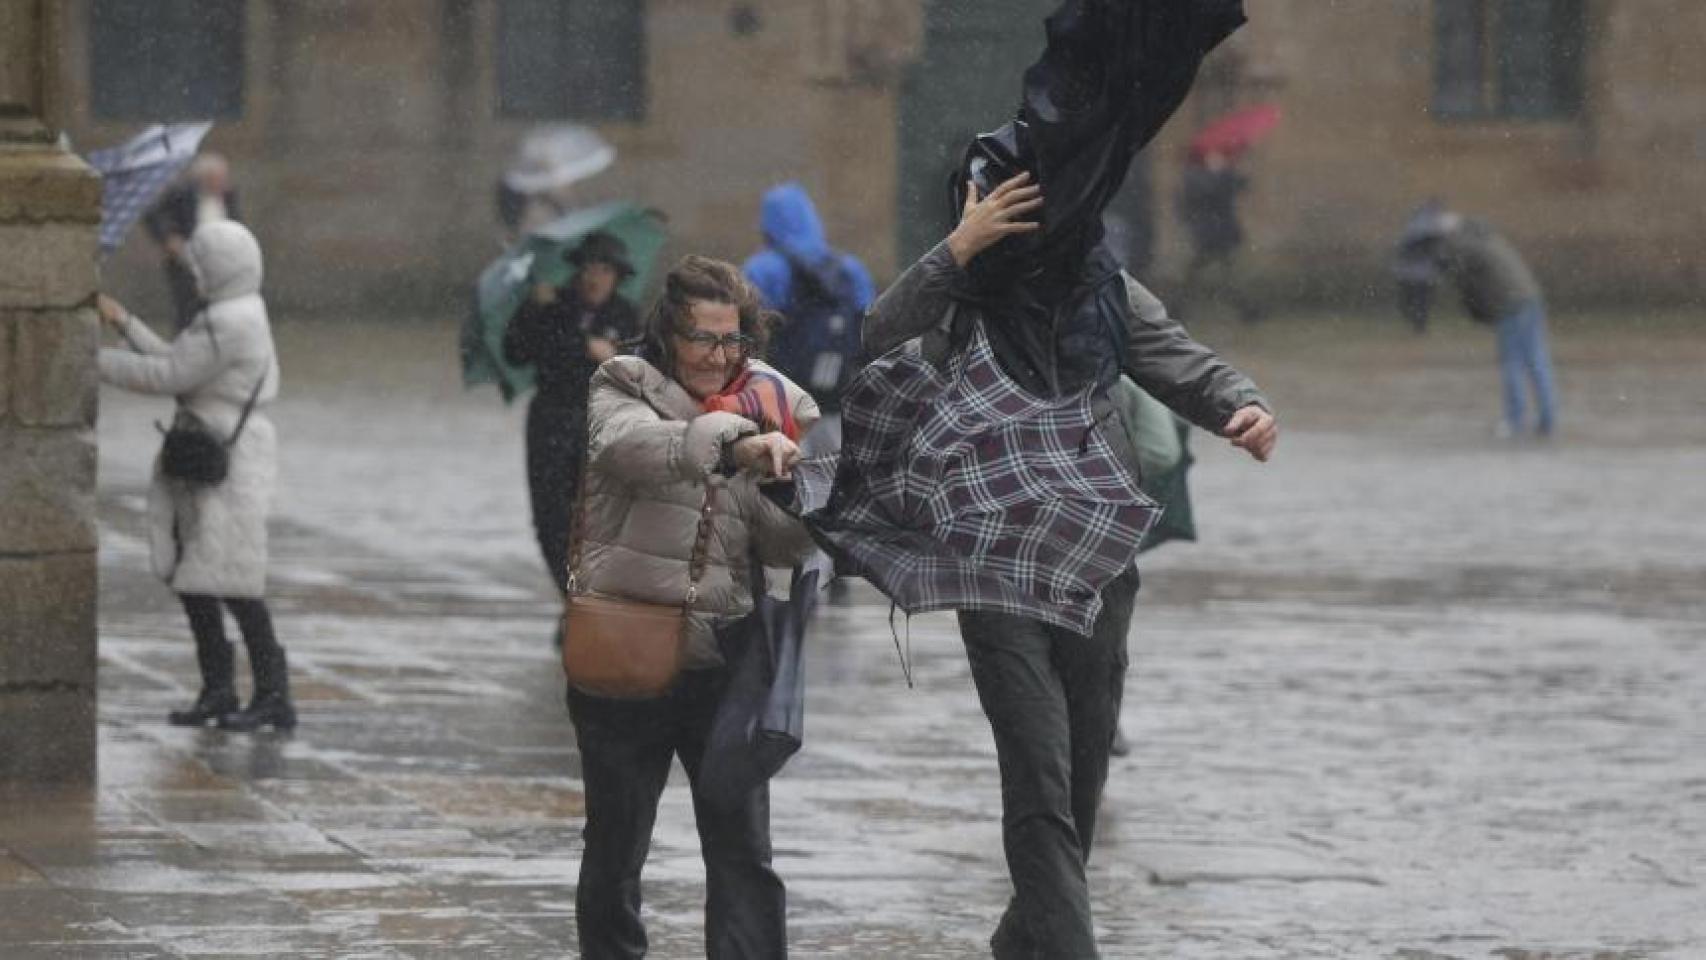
(1236, 132)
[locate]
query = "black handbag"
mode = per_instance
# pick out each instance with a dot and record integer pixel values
(193, 454)
(760, 722)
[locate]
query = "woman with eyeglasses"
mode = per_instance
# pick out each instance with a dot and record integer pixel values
(691, 425)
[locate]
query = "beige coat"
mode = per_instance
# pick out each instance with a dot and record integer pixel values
(212, 540)
(652, 450)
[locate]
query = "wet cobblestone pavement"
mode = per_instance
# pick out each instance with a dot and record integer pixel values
(1418, 695)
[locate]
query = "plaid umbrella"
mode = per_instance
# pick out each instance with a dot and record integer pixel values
(538, 258)
(133, 174)
(957, 490)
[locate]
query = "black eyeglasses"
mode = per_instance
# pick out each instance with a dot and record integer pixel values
(738, 344)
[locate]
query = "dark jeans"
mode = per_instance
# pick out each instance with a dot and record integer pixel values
(213, 652)
(1053, 700)
(1215, 275)
(626, 747)
(556, 442)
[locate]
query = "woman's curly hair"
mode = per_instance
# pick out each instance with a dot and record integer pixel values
(694, 279)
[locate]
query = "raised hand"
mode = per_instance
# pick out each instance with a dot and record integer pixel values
(987, 221)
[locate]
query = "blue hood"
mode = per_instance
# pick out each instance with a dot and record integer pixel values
(791, 224)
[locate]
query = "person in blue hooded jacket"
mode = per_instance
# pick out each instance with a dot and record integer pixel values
(822, 295)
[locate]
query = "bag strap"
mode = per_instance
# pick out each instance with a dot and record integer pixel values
(212, 339)
(249, 407)
(254, 395)
(697, 563)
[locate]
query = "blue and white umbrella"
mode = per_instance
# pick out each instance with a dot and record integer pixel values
(133, 174)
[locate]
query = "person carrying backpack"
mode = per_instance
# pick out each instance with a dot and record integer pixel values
(822, 295)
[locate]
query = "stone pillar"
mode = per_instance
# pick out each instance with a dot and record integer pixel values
(50, 207)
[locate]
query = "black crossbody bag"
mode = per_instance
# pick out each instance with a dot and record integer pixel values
(192, 453)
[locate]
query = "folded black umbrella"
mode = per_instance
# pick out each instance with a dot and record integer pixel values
(761, 721)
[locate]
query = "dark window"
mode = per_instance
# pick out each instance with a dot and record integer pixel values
(166, 59)
(1460, 68)
(572, 59)
(1518, 59)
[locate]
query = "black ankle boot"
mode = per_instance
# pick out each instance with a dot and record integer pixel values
(266, 710)
(1121, 746)
(210, 705)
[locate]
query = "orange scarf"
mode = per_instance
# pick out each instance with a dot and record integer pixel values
(759, 396)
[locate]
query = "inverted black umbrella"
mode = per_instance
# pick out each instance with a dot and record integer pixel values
(1112, 74)
(761, 721)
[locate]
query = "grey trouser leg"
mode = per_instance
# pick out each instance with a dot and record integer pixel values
(1053, 702)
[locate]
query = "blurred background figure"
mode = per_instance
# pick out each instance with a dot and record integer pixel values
(564, 333)
(1208, 204)
(1208, 208)
(822, 295)
(205, 196)
(1497, 288)
(549, 161)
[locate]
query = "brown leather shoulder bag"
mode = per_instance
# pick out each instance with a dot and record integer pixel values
(628, 649)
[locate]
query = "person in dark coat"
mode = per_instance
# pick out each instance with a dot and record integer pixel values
(1498, 289)
(1026, 280)
(1208, 205)
(564, 334)
(206, 197)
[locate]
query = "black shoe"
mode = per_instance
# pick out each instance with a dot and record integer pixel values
(1121, 746)
(210, 705)
(268, 710)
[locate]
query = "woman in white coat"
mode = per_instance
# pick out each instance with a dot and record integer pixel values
(210, 542)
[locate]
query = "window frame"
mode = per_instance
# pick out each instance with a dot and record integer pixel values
(1487, 67)
(139, 74)
(582, 89)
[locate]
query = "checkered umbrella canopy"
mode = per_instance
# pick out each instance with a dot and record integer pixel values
(133, 174)
(957, 490)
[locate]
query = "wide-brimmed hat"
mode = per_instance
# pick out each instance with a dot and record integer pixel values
(601, 247)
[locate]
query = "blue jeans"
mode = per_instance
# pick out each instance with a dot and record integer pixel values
(1524, 356)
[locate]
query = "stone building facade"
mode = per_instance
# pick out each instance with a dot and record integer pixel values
(49, 211)
(367, 136)
(1577, 126)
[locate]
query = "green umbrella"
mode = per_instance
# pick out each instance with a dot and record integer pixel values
(538, 258)
(1164, 455)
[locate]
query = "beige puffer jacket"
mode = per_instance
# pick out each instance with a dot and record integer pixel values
(652, 451)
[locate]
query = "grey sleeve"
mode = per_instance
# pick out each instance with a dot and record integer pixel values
(914, 304)
(1192, 380)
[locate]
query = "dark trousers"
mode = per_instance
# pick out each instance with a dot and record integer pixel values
(1215, 275)
(213, 652)
(556, 442)
(626, 747)
(1053, 701)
